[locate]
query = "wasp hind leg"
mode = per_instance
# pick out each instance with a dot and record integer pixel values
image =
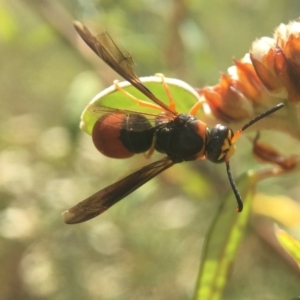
(136, 100)
(172, 104)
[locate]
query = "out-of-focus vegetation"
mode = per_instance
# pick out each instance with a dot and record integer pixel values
(149, 245)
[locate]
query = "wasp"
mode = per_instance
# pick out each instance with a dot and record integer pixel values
(120, 133)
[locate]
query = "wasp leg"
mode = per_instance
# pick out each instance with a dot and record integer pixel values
(138, 101)
(172, 104)
(196, 107)
(150, 152)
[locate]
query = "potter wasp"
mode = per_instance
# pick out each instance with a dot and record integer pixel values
(122, 133)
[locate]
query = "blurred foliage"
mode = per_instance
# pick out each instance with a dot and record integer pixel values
(289, 243)
(149, 245)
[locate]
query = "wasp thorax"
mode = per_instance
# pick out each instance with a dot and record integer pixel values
(218, 145)
(182, 139)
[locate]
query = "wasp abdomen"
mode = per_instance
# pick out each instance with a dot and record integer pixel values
(121, 135)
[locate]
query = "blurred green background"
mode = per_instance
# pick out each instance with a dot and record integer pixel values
(149, 245)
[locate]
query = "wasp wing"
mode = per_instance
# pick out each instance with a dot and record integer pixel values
(94, 112)
(104, 199)
(108, 51)
(99, 110)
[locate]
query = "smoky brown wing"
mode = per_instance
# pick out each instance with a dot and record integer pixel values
(108, 51)
(105, 198)
(96, 112)
(99, 110)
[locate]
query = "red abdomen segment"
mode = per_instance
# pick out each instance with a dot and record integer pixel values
(119, 135)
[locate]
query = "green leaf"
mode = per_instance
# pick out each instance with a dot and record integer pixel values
(183, 94)
(289, 243)
(223, 241)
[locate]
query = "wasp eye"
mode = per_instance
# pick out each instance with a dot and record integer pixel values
(218, 143)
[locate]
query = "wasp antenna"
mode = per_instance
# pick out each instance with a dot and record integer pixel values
(263, 115)
(254, 120)
(234, 188)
